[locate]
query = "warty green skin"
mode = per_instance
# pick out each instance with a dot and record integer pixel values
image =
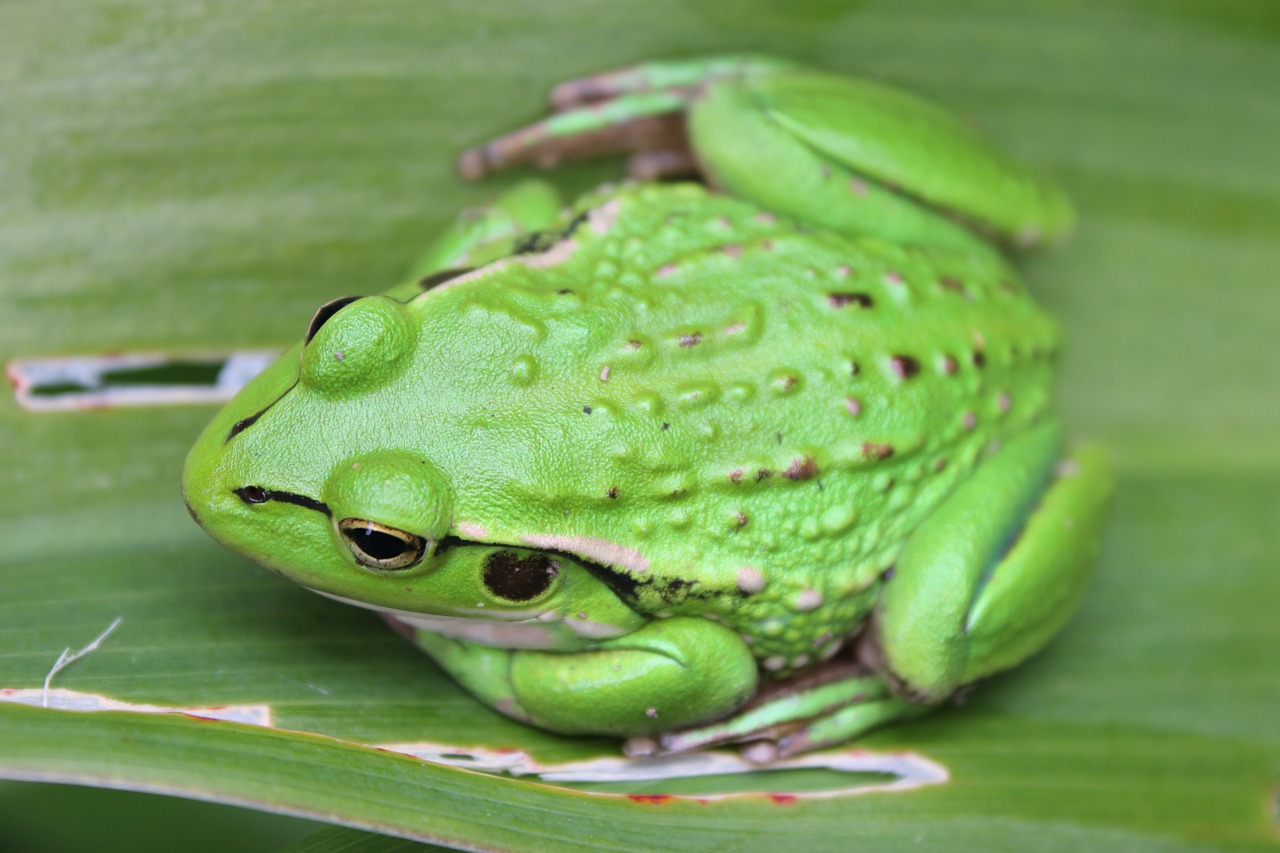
(691, 416)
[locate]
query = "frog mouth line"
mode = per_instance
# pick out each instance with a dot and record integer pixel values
(623, 585)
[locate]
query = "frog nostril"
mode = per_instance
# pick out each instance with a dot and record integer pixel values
(252, 494)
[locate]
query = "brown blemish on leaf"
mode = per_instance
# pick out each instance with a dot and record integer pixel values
(979, 359)
(733, 250)
(763, 474)
(947, 365)
(853, 406)
(735, 476)
(741, 518)
(650, 799)
(613, 492)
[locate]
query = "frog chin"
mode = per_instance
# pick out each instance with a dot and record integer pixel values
(526, 629)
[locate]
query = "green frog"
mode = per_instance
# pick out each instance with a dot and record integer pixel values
(757, 447)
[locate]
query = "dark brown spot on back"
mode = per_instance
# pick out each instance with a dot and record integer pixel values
(613, 492)
(872, 450)
(763, 474)
(979, 359)
(840, 300)
(802, 469)
(905, 366)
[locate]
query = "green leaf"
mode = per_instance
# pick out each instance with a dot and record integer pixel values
(198, 177)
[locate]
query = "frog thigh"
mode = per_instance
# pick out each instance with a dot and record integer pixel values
(860, 157)
(963, 603)
(670, 672)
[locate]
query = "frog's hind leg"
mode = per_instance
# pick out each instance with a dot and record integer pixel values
(868, 160)
(638, 110)
(850, 155)
(972, 594)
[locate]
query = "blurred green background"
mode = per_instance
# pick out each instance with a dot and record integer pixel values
(184, 176)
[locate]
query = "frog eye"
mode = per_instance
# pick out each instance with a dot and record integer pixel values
(324, 312)
(381, 548)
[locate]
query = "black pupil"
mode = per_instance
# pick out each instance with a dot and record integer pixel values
(376, 544)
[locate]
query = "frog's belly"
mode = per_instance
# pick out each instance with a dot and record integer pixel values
(508, 630)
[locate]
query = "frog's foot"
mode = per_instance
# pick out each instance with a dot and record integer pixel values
(807, 712)
(638, 110)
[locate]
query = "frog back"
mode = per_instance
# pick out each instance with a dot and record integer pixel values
(704, 399)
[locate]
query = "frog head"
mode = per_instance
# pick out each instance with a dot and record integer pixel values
(303, 473)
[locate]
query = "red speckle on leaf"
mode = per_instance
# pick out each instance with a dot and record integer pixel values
(783, 799)
(650, 799)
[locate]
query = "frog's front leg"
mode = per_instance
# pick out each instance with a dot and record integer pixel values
(668, 673)
(980, 586)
